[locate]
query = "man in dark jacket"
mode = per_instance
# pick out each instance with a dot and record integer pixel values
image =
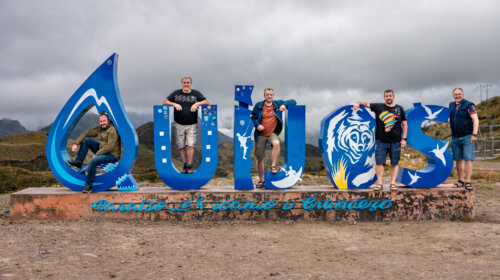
(267, 119)
(464, 125)
(107, 148)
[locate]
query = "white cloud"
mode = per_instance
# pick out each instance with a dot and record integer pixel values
(324, 54)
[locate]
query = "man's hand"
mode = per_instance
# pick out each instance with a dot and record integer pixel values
(194, 107)
(282, 108)
(260, 127)
(403, 143)
(177, 107)
(473, 139)
(74, 148)
(355, 106)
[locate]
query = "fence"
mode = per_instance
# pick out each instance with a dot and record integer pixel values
(488, 145)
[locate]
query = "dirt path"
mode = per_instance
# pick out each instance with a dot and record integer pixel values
(255, 250)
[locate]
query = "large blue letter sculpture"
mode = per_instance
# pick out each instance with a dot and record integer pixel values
(439, 159)
(163, 156)
(295, 139)
(347, 143)
(100, 90)
(243, 128)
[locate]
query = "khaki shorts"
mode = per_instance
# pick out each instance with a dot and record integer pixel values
(260, 144)
(185, 135)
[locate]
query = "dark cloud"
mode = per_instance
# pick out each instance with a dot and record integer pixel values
(324, 54)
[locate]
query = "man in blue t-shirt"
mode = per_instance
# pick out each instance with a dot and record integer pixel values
(464, 125)
(391, 130)
(186, 102)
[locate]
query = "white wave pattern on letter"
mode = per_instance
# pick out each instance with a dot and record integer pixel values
(368, 175)
(330, 142)
(291, 178)
(92, 93)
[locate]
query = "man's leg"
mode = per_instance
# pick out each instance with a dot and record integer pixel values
(395, 155)
(88, 143)
(469, 155)
(460, 169)
(189, 154)
(92, 167)
(276, 152)
(260, 152)
(379, 169)
(380, 158)
(260, 169)
(394, 172)
(180, 133)
(183, 153)
(468, 170)
(191, 135)
(457, 149)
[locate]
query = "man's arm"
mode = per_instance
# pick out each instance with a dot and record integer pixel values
(357, 104)
(89, 133)
(286, 103)
(170, 103)
(256, 123)
(405, 132)
(195, 106)
(475, 127)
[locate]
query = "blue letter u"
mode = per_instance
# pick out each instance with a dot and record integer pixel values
(163, 156)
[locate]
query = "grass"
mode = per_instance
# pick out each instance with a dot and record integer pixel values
(15, 179)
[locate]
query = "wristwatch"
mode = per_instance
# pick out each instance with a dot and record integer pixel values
(475, 135)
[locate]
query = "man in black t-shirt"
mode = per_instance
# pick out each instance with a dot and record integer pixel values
(186, 102)
(390, 136)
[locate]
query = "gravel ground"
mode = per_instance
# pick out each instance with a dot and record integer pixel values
(95, 249)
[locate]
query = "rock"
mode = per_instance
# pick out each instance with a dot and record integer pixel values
(351, 249)
(90, 255)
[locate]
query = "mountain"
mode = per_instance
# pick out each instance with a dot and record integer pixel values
(9, 127)
(25, 150)
(312, 138)
(89, 120)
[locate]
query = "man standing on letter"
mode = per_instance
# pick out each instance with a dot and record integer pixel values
(107, 148)
(464, 125)
(266, 116)
(390, 136)
(186, 102)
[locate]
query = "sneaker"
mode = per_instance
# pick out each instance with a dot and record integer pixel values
(74, 164)
(189, 169)
(87, 189)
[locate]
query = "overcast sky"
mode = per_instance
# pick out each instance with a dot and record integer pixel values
(324, 54)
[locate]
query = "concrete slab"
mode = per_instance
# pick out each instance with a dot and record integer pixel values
(319, 203)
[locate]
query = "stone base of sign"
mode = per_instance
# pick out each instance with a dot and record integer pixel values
(317, 203)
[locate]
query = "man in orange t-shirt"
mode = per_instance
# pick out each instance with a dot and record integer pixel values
(267, 118)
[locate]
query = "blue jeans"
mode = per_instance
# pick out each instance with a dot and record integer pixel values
(93, 145)
(382, 149)
(462, 148)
